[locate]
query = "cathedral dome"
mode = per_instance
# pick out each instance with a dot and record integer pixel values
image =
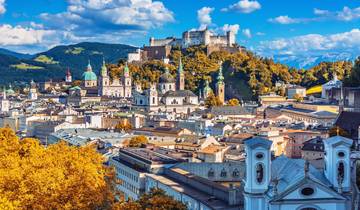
(89, 76)
(166, 77)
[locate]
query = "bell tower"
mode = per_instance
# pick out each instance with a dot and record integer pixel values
(220, 85)
(180, 80)
(258, 172)
(337, 162)
(127, 82)
(104, 80)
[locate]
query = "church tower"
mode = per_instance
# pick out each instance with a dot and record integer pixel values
(207, 91)
(153, 95)
(68, 77)
(33, 91)
(180, 80)
(5, 104)
(127, 82)
(337, 162)
(220, 85)
(104, 80)
(258, 172)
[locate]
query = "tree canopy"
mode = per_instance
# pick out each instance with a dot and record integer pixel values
(137, 141)
(57, 177)
(246, 75)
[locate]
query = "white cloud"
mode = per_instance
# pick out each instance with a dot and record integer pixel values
(284, 19)
(86, 17)
(243, 6)
(203, 16)
(246, 32)
(260, 33)
(2, 7)
(233, 28)
(348, 14)
(19, 35)
(314, 44)
(321, 12)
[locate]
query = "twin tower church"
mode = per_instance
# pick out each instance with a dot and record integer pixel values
(168, 94)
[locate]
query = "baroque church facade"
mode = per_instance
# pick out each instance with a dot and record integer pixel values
(169, 95)
(286, 183)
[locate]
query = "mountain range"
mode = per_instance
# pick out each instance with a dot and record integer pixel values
(308, 61)
(52, 64)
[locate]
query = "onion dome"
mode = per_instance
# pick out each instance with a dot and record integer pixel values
(89, 75)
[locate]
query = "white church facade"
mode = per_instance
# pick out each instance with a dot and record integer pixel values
(286, 183)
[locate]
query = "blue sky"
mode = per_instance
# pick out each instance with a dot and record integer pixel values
(269, 27)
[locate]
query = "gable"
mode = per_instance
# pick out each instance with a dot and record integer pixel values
(319, 191)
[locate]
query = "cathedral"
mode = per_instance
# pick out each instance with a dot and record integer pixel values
(169, 95)
(120, 87)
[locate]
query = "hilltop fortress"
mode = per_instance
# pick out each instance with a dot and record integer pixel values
(160, 48)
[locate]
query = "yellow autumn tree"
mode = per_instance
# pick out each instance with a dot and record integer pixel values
(123, 125)
(137, 141)
(57, 177)
(233, 102)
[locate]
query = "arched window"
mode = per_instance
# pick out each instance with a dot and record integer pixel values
(341, 171)
(236, 173)
(259, 172)
(223, 173)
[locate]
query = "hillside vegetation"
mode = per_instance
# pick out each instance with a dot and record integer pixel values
(246, 75)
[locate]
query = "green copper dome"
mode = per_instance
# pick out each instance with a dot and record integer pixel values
(89, 76)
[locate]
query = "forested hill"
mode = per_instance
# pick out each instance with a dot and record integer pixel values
(246, 75)
(53, 63)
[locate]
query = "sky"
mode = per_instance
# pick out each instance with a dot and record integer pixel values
(268, 27)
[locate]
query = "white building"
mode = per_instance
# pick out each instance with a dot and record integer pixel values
(5, 104)
(334, 83)
(296, 90)
(135, 56)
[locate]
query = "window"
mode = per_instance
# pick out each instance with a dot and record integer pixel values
(259, 156)
(211, 173)
(259, 173)
(223, 173)
(341, 154)
(236, 173)
(307, 191)
(341, 171)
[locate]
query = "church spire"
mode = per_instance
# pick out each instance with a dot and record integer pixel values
(103, 69)
(220, 77)
(180, 81)
(220, 85)
(89, 68)
(126, 70)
